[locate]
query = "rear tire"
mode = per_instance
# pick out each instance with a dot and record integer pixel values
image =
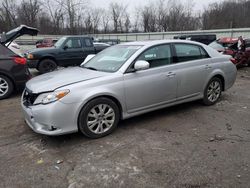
(98, 118)
(47, 65)
(6, 87)
(212, 91)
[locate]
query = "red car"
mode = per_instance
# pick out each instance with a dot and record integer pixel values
(229, 46)
(46, 42)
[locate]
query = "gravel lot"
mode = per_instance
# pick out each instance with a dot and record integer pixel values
(189, 145)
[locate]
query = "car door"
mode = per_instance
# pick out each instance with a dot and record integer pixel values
(72, 52)
(193, 65)
(152, 87)
(88, 47)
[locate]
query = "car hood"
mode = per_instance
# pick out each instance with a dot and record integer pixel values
(57, 79)
(17, 32)
(43, 50)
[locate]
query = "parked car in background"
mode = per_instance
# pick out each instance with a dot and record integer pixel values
(124, 81)
(46, 42)
(14, 72)
(224, 44)
(229, 46)
(108, 41)
(100, 46)
(67, 51)
(202, 38)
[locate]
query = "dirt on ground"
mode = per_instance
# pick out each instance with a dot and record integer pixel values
(189, 145)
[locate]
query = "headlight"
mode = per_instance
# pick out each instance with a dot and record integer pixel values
(46, 98)
(30, 56)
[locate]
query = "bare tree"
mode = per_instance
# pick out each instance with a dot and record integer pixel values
(149, 20)
(96, 17)
(56, 12)
(28, 11)
(117, 13)
(105, 19)
(8, 12)
(73, 10)
(127, 23)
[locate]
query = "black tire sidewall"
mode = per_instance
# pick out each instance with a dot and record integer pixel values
(10, 89)
(82, 123)
(41, 68)
(206, 101)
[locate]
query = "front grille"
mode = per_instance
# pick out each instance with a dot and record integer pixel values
(29, 98)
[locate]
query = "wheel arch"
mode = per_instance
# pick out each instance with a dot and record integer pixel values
(216, 74)
(10, 77)
(111, 97)
(47, 57)
(222, 80)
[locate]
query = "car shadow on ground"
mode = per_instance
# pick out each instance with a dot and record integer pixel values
(124, 127)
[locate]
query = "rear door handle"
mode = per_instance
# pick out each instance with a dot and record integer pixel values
(208, 67)
(170, 74)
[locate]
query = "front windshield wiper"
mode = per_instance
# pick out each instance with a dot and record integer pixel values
(91, 68)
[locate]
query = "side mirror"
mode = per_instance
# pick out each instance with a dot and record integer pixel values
(141, 65)
(65, 47)
(89, 57)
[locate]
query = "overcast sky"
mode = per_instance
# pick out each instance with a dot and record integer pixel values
(199, 4)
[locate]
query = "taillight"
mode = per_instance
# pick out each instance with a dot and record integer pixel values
(234, 61)
(20, 60)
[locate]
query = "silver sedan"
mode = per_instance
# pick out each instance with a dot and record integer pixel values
(124, 81)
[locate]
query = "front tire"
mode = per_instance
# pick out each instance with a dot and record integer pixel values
(6, 87)
(99, 118)
(47, 65)
(212, 92)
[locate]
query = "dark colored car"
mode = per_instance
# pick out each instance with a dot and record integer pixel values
(67, 51)
(46, 42)
(13, 69)
(202, 38)
(100, 46)
(108, 41)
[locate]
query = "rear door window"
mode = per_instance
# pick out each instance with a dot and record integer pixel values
(74, 43)
(88, 42)
(189, 52)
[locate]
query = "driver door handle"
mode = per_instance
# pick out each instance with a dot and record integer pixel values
(208, 67)
(170, 74)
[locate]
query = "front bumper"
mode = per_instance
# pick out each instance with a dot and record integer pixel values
(52, 119)
(32, 63)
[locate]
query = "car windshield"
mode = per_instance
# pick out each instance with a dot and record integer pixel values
(60, 42)
(111, 59)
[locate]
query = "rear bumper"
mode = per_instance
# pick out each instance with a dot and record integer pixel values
(21, 78)
(230, 80)
(32, 63)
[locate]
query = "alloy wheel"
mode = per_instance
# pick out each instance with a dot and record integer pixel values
(4, 87)
(100, 118)
(214, 91)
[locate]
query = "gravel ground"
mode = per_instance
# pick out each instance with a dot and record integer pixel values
(189, 145)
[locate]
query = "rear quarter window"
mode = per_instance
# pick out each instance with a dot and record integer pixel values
(88, 42)
(189, 52)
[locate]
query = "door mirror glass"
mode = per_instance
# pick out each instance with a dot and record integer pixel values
(141, 65)
(89, 57)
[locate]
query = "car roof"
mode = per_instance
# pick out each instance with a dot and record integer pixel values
(156, 42)
(77, 36)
